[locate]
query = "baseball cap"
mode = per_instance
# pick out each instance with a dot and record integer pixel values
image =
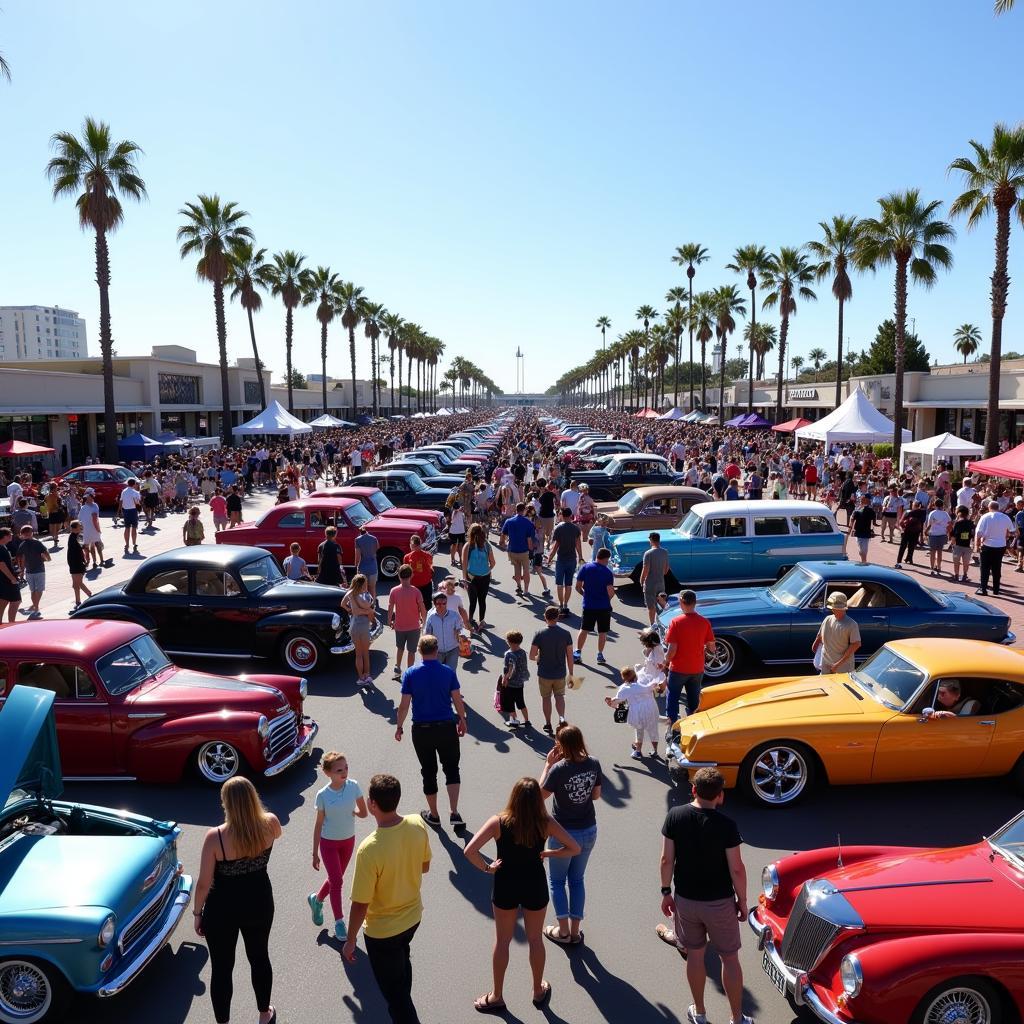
(836, 600)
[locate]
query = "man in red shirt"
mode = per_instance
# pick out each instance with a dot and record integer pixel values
(406, 615)
(689, 636)
(732, 470)
(422, 570)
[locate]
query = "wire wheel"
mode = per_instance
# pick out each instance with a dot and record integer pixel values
(218, 761)
(778, 774)
(960, 1005)
(25, 992)
(722, 660)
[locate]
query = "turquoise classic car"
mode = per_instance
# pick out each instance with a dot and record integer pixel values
(737, 542)
(88, 895)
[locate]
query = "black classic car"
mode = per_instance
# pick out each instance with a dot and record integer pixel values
(405, 488)
(426, 471)
(623, 472)
(229, 600)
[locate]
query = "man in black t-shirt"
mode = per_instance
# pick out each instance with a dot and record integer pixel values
(862, 521)
(329, 568)
(700, 856)
(546, 516)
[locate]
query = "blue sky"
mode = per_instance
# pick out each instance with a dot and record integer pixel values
(502, 174)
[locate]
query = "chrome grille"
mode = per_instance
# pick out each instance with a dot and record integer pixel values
(137, 927)
(284, 733)
(807, 936)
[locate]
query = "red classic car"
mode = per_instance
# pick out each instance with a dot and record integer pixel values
(124, 711)
(891, 935)
(107, 481)
(303, 521)
(379, 504)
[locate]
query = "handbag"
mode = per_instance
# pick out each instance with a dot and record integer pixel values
(497, 693)
(620, 712)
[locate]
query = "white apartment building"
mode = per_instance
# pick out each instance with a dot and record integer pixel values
(41, 332)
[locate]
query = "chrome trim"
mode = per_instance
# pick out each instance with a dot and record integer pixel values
(150, 714)
(159, 897)
(910, 885)
(208, 654)
(343, 648)
(39, 942)
(130, 970)
(298, 752)
(1010, 638)
(99, 778)
(676, 754)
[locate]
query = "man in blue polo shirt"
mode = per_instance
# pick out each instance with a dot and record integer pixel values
(520, 536)
(596, 583)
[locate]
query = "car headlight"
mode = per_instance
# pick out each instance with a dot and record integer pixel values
(107, 932)
(303, 689)
(851, 975)
(770, 882)
(263, 727)
(335, 622)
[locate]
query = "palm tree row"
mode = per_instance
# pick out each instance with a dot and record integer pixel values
(469, 381)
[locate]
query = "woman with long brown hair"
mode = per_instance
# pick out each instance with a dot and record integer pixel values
(477, 563)
(234, 895)
(520, 833)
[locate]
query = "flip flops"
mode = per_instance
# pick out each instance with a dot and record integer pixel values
(487, 1005)
(545, 996)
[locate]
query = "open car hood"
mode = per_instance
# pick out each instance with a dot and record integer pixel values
(28, 739)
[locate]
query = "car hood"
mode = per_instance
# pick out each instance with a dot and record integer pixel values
(721, 605)
(959, 888)
(28, 738)
(184, 686)
(300, 592)
(809, 698)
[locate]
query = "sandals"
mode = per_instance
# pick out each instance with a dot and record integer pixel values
(551, 932)
(487, 1005)
(541, 1001)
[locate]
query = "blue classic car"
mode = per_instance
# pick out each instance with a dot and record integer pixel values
(88, 895)
(756, 626)
(737, 542)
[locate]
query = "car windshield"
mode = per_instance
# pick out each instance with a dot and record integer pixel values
(427, 469)
(890, 679)
(630, 502)
(1009, 841)
(415, 483)
(939, 596)
(131, 665)
(260, 573)
(692, 525)
(380, 502)
(794, 588)
(358, 515)
(122, 475)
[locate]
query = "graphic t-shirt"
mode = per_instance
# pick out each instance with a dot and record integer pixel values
(572, 783)
(422, 567)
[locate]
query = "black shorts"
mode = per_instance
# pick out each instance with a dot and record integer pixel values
(599, 617)
(512, 890)
(511, 698)
(150, 500)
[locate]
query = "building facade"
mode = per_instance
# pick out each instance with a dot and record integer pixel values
(41, 332)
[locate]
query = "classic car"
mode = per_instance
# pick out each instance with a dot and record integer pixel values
(426, 471)
(124, 711)
(107, 481)
(593, 447)
(228, 601)
(774, 738)
(377, 503)
(88, 895)
(737, 542)
(651, 508)
(303, 522)
(407, 489)
(896, 935)
(756, 626)
(447, 461)
(625, 471)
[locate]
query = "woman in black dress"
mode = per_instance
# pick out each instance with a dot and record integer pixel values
(77, 562)
(520, 833)
(10, 592)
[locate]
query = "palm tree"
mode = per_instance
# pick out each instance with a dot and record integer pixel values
(1002, 6)
(287, 283)
(393, 324)
(994, 179)
(102, 172)
(691, 256)
(797, 363)
(751, 259)
(966, 340)
(5, 68)
(603, 323)
(373, 315)
(761, 338)
(247, 274)
(702, 320)
(320, 287)
(728, 302)
(646, 314)
(211, 230)
(675, 321)
(350, 303)
(910, 235)
(817, 356)
(834, 253)
(788, 276)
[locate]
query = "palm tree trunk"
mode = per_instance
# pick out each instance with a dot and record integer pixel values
(690, 370)
(901, 346)
(256, 360)
(352, 359)
(1000, 293)
(783, 334)
(839, 357)
(392, 413)
(373, 368)
(703, 375)
(721, 379)
(106, 349)
(323, 365)
(288, 323)
(753, 332)
(222, 345)
(400, 410)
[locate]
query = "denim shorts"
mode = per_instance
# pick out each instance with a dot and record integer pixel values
(36, 581)
(564, 572)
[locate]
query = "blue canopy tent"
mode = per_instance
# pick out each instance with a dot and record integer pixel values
(138, 448)
(754, 421)
(735, 421)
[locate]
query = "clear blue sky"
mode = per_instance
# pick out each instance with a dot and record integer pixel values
(502, 174)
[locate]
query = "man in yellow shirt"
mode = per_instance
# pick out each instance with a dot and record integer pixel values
(390, 865)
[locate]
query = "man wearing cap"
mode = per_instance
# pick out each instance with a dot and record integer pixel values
(443, 623)
(990, 537)
(839, 637)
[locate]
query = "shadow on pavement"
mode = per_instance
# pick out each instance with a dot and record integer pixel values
(613, 997)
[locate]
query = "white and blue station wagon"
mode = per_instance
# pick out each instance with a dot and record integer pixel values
(737, 542)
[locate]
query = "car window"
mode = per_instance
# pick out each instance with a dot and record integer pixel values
(359, 515)
(68, 682)
(170, 584)
(380, 502)
(726, 526)
(216, 583)
(321, 517)
(889, 678)
(292, 520)
(96, 476)
(74, 478)
(812, 524)
(122, 475)
(260, 572)
(416, 484)
(691, 524)
(771, 526)
(127, 667)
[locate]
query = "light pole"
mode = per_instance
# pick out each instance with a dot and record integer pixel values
(520, 371)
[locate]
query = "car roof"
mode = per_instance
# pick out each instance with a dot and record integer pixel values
(945, 656)
(654, 490)
(208, 556)
(765, 505)
(389, 472)
(331, 492)
(633, 456)
(829, 569)
(314, 502)
(52, 638)
(95, 465)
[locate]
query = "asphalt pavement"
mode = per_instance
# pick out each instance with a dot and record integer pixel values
(621, 972)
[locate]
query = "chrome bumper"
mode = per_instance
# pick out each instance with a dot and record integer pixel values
(618, 570)
(375, 631)
(797, 985)
(676, 754)
(1010, 638)
(299, 752)
(431, 545)
(150, 950)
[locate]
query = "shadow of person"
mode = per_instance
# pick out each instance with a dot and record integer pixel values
(615, 792)
(483, 730)
(370, 1006)
(471, 883)
(613, 997)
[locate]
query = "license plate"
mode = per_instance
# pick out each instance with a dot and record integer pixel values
(777, 978)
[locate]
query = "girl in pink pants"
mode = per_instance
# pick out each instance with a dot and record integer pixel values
(338, 804)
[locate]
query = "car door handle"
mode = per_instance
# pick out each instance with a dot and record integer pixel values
(988, 721)
(881, 618)
(746, 542)
(195, 605)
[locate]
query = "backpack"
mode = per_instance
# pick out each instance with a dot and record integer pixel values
(478, 563)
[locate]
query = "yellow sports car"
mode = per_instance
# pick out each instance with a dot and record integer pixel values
(916, 710)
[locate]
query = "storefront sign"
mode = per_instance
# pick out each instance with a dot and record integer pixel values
(797, 393)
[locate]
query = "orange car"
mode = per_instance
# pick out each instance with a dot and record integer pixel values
(651, 508)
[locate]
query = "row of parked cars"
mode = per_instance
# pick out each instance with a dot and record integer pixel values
(858, 934)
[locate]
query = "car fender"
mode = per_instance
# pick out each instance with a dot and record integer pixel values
(719, 693)
(118, 612)
(159, 751)
(62, 930)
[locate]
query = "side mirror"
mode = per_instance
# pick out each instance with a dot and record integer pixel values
(926, 714)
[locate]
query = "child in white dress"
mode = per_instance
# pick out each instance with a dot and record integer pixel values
(643, 710)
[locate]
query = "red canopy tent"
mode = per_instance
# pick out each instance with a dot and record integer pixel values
(791, 426)
(18, 449)
(1009, 465)
(647, 414)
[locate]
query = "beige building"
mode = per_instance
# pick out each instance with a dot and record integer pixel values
(41, 332)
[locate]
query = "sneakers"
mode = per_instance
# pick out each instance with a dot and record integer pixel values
(398, 672)
(340, 931)
(636, 755)
(316, 908)
(577, 657)
(693, 1017)
(744, 1020)
(601, 658)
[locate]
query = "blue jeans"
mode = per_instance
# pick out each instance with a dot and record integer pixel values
(571, 870)
(677, 683)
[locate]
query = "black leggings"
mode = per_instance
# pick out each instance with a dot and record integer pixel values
(478, 588)
(908, 545)
(433, 742)
(231, 908)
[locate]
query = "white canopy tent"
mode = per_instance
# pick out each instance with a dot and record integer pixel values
(673, 414)
(327, 421)
(943, 447)
(275, 419)
(856, 420)
(203, 442)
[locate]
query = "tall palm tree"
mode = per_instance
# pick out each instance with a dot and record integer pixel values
(646, 314)
(728, 303)
(797, 363)
(909, 234)
(835, 252)
(761, 338)
(966, 340)
(5, 68)
(248, 273)
(677, 295)
(675, 321)
(350, 303)
(994, 180)
(603, 323)
(101, 172)
(211, 230)
(702, 320)
(788, 278)
(817, 356)
(373, 314)
(287, 282)
(392, 324)
(691, 256)
(751, 260)
(320, 287)
(1002, 6)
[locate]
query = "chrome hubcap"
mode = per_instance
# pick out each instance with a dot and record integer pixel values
(218, 761)
(779, 775)
(24, 991)
(389, 566)
(720, 660)
(959, 1006)
(301, 654)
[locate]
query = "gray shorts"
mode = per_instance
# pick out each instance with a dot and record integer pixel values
(359, 626)
(960, 552)
(937, 541)
(407, 639)
(862, 545)
(36, 581)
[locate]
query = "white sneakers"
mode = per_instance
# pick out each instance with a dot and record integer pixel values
(693, 1017)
